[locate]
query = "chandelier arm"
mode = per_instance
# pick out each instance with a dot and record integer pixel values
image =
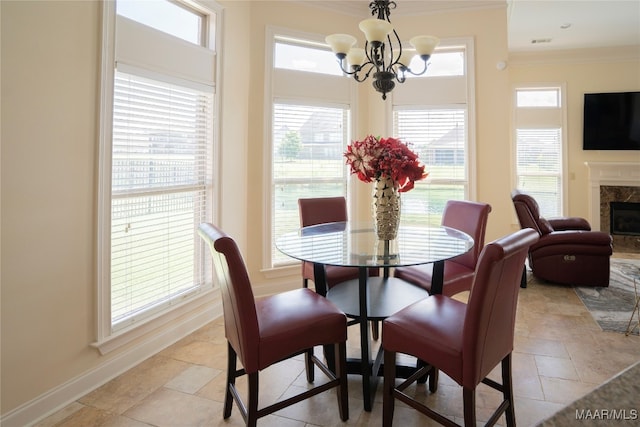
(355, 72)
(424, 70)
(360, 79)
(394, 60)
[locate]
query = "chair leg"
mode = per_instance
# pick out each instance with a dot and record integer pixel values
(433, 379)
(308, 360)
(523, 279)
(507, 391)
(388, 402)
(341, 373)
(469, 402)
(252, 409)
(375, 330)
(231, 380)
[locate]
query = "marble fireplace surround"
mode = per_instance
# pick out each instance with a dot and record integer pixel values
(613, 182)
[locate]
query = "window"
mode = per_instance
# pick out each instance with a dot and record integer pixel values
(291, 56)
(449, 62)
(437, 128)
(538, 146)
(308, 143)
(438, 136)
(156, 162)
(172, 18)
(159, 194)
(310, 128)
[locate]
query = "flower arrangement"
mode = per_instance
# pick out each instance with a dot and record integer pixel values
(374, 158)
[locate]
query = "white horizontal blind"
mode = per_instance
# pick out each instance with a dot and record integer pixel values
(538, 136)
(539, 167)
(439, 136)
(160, 188)
(308, 146)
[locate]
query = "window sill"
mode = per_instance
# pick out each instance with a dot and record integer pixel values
(280, 272)
(180, 320)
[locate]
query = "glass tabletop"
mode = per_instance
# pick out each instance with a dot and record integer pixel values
(353, 244)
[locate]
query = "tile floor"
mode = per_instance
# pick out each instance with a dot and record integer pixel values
(560, 354)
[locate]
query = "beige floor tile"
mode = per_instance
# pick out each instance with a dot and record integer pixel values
(554, 367)
(560, 354)
(564, 391)
(134, 385)
(159, 409)
(193, 379)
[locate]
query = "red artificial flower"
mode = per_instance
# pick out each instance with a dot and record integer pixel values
(373, 158)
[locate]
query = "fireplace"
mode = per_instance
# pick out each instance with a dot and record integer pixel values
(620, 216)
(612, 183)
(625, 218)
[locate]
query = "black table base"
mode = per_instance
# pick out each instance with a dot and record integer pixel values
(373, 298)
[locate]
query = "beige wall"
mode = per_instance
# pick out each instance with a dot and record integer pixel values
(50, 56)
(49, 143)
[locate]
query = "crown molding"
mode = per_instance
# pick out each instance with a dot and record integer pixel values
(583, 55)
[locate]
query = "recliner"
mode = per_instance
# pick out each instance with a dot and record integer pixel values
(568, 252)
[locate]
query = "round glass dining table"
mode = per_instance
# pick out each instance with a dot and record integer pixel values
(354, 244)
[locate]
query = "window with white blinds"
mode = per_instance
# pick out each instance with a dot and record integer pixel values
(539, 122)
(156, 164)
(308, 146)
(439, 136)
(161, 156)
(539, 167)
(310, 127)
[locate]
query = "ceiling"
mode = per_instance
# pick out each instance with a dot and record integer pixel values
(536, 25)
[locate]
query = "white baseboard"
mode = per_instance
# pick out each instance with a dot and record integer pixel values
(63, 395)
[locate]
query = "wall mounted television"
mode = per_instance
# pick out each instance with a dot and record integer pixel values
(611, 121)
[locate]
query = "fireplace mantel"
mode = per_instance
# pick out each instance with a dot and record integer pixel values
(608, 173)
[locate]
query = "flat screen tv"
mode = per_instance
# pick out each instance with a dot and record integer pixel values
(611, 121)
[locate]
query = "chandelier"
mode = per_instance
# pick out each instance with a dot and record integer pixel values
(383, 54)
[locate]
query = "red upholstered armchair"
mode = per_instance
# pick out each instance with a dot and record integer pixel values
(568, 252)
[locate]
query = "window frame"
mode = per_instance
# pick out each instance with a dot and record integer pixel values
(541, 117)
(108, 340)
(276, 92)
(446, 92)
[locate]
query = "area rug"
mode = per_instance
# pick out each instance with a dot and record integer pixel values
(611, 307)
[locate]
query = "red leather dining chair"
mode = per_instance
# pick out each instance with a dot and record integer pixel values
(266, 331)
(321, 210)
(465, 341)
(471, 218)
